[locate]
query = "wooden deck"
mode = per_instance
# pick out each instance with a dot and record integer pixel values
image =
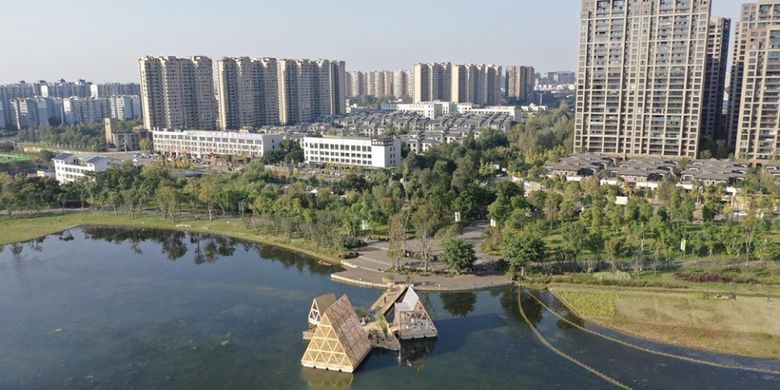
(387, 300)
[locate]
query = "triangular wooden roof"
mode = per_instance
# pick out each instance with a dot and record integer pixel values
(318, 307)
(324, 301)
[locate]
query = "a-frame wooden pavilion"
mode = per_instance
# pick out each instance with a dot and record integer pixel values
(339, 343)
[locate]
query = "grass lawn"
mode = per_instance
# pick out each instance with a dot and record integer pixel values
(747, 325)
(23, 229)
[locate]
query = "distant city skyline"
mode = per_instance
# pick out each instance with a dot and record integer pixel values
(106, 46)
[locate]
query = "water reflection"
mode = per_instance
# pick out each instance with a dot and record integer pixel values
(204, 248)
(460, 303)
(414, 353)
(326, 380)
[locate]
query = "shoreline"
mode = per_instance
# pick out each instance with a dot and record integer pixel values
(93, 218)
(686, 344)
(18, 229)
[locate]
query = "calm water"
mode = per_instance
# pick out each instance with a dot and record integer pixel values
(115, 308)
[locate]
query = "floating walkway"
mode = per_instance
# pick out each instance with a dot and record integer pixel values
(339, 340)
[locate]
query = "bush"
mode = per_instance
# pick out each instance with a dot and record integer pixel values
(705, 277)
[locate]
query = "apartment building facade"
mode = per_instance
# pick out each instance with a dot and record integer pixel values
(432, 81)
(248, 92)
(758, 134)
(177, 93)
(640, 77)
(713, 125)
(76, 110)
(520, 83)
(124, 107)
(754, 15)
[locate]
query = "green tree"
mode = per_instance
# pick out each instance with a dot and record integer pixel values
(574, 235)
(523, 248)
(459, 255)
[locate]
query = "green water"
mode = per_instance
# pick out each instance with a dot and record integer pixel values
(104, 308)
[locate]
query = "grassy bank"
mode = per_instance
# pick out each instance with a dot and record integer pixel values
(744, 326)
(23, 229)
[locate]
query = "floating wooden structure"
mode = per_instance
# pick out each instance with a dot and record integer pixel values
(339, 341)
(411, 320)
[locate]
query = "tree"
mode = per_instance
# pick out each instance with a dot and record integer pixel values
(523, 248)
(614, 248)
(574, 235)
(396, 239)
(459, 255)
(145, 144)
(425, 221)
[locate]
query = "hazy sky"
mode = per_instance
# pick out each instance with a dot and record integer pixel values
(100, 40)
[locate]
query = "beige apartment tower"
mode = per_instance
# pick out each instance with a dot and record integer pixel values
(758, 135)
(475, 83)
(520, 83)
(753, 103)
(640, 77)
(248, 93)
(177, 93)
(310, 90)
(761, 14)
(431, 82)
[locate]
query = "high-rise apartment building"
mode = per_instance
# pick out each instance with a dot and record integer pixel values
(753, 92)
(758, 15)
(640, 76)
(124, 107)
(177, 93)
(467, 83)
(65, 89)
(520, 82)
(310, 90)
(758, 130)
(558, 78)
(248, 92)
(33, 113)
(106, 90)
(432, 82)
(76, 110)
(10, 92)
(475, 83)
(401, 82)
(357, 82)
(712, 126)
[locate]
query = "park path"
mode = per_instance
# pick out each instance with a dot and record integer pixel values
(372, 267)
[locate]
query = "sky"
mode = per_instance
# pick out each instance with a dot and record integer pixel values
(101, 40)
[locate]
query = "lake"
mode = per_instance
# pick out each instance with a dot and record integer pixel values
(116, 308)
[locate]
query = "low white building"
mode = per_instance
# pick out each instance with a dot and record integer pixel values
(430, 110)
(199, 142)
(353, 151)
(72, 167)
(468, 108)
(437, 108)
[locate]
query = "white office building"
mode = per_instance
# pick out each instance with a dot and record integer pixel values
(353, 151)
(222, 143)
(72, 167)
